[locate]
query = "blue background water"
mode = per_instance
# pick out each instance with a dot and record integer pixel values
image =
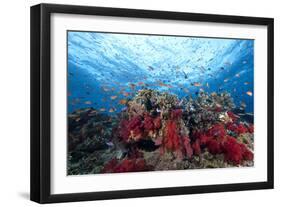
(103, 66)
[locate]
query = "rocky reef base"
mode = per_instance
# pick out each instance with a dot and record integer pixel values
(159, 131)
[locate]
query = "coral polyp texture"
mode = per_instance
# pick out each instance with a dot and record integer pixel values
(130, 112)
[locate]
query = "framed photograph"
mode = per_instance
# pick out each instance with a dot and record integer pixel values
(132, 103)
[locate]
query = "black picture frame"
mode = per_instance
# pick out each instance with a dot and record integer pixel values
(41, 96)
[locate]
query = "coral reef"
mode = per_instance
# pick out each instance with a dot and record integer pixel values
(159, 131)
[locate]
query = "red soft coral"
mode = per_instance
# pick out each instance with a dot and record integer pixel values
(196, 147)
(124, 132)
(202, 137)
(217, 131)
(157, 122)
(241, 129)
(126, 165)
(187, 147)
(232, 151)
(135, 127)
(131, 129)
(176, 114)
(148, 123)
(237, 128)
(247, 154)
(214, 146)
(172, 140)
(251, 128)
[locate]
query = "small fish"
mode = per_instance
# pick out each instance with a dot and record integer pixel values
(123, 101)
(93, 112)
(102, 109)
(140, 83)
(126, 94)
(244, 62)
(110, 144)
(88, 102)
(180, 103)
(164, 85)
(246, 83)
(76, 101)
(105, 89)
(207, 84)
(197, 84)
(249, 93)
(234, 90)
(70, 73)
(222, 68)
(124, 109)
(185, 75)
(113, 97)
(237, 75)
(225, 80)
(150, 68)
(111, 110)
(186, 90)
(243, 104)
(218, 105)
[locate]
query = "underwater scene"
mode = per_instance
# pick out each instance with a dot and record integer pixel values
(145, 102)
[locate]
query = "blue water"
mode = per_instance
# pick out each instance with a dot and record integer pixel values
(104, 68)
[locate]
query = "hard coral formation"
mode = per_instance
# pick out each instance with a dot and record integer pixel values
(158, 131)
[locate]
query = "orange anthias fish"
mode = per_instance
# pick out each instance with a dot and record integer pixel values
(123, 101)
(102, 109)
(164, 84)
(249, 93)
(126, 94)
(197, 84)
(113, 97)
